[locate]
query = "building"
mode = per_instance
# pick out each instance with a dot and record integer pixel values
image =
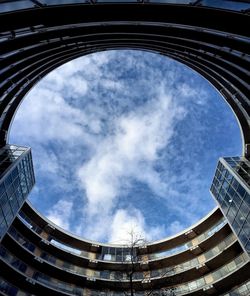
(231, 190)
(209, 258)
(17, 180)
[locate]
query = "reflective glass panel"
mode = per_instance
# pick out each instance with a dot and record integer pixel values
(17, 5)
(229, 5)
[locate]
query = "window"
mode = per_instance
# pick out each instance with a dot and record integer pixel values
(107, 257)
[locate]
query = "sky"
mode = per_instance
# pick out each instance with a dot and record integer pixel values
(124, 140)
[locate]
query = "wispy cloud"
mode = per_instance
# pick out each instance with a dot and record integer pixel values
(60, 213)
(129, 153)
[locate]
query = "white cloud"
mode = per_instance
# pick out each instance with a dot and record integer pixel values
(60, 213)
(175, 227)
(198, 94)
(45, 114)
(129, 226)
(116, 226)
(130, 152)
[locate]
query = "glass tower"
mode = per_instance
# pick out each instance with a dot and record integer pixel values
(16, 181)
(230, 188)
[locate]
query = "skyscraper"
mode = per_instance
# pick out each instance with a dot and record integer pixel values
(231, 190)
(212, 256)
(17, 180)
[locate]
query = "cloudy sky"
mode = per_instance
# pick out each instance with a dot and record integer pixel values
(124, 140)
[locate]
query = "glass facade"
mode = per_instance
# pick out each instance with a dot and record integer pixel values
(231, 190)
(110, 254)
(181, 248)
(8, 289)
(242, 290)
(183, 289)
(16, 181)
(114, 275)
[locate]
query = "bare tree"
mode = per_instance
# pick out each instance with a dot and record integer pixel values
(132, 245)
(135, 242)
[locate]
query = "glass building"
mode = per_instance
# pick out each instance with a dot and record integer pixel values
(231, 190)
(16, 182)
(210, 257)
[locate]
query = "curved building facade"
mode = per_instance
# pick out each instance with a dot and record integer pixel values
(38, 258)
(209, 258)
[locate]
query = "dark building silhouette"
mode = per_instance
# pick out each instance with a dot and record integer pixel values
(209, 258)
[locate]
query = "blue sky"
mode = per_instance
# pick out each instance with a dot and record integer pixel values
(125, 139)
